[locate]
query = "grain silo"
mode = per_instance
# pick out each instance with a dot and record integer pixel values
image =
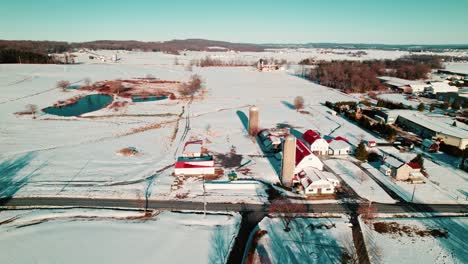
(253, 121)
(289, 161)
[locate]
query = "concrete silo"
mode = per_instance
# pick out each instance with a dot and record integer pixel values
(253, 121)
(289, 161)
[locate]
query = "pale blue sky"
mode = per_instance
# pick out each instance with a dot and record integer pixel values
(261, 21)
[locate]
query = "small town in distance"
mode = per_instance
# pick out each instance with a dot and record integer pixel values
(276, 143)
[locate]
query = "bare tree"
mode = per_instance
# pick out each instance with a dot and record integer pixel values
(192, 86)
(176, 61)
(116, 87)
(299, 102)
(63, 84)
(287, 210)
(32, 109)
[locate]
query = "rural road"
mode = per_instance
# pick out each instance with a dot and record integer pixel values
(223, 207)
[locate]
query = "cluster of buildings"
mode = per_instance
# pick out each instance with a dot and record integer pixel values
(418, 87)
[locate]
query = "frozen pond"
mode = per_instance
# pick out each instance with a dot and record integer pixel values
(83, 105)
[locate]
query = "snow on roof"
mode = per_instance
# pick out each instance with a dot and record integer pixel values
(302, 151)
(398, 81)
(393, 162)
(339, 144)
(436, 123)
(310, 136)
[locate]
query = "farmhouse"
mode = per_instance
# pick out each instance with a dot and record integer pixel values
(402, 171)
(317, 144)
(313, 181)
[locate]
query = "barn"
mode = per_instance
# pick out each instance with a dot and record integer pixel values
(314, 181)
(305, 158)
(195, 166)
(317, 144)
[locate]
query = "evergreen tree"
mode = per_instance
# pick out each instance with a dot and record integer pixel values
(421, 107)
(361, 152)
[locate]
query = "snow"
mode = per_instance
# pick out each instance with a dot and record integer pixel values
(399, 98)
(105, 236)
(458, 67)
(304, 244)
(358, 180)
(403, 248)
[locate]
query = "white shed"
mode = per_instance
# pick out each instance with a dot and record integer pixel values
(339, 147)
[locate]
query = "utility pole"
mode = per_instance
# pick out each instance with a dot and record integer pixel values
(204, 197)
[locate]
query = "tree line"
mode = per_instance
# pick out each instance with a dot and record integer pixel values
(362, 76)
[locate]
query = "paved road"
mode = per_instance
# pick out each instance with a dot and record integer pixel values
(223, 207)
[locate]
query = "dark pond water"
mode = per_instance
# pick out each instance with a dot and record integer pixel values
(84, 105)
(137, 99)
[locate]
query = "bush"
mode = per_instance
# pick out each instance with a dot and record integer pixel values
(192, 86)
(63, 84)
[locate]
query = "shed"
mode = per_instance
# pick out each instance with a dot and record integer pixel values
(339, 147)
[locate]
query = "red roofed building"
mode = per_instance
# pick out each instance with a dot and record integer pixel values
(305, 158)
(317, 144)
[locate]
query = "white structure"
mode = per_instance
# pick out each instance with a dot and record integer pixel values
(418, 88)
(441, 87)
(192, 149)
(314, 181)
(305, 158)
(195, 166)
(339, 147)
(317, 144)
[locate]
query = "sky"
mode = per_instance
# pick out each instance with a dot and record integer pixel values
(251, 21)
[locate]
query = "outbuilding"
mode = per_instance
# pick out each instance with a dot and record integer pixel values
(339, 147)
(317, 144)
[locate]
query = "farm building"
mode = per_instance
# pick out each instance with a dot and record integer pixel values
(193, 161)
(402, 171)
(305, 158)
(272, 139)
(402, 85)
(317, 144)
(313, 181)
(441, 87)
(339, 147)
(429, 145)
(434, 127)
(203, 165)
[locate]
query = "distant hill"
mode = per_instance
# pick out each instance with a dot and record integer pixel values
(406, 47)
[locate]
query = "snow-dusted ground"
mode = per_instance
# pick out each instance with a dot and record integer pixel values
(74, 235)
(357, 179)
(460, 67)
(399, 98)
(308, 241)
(411, 248)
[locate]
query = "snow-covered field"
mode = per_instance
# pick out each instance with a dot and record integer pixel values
(310, 240)
(73, 235)
(409, 246)
(357, 179)
(69, 156)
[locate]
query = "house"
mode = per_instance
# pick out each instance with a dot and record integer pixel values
(429, 145)
(401, 171)
(305, 158)
(339, 147)
(317, 144)
(315, 182)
